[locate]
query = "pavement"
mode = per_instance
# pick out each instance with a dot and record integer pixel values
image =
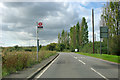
(72, 65)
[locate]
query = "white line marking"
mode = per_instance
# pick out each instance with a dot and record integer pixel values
(46, 68)
(79, 60)
(99, 74)
(75, 57)
(82, 62)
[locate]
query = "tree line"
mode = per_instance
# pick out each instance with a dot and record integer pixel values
(111, 18)
(76, 38)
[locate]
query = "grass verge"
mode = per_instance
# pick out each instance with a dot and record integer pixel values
(16, 61)
(112, 58)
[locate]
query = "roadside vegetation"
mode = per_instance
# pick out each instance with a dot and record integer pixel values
(77, 37)
(18, 58)
(112, 58)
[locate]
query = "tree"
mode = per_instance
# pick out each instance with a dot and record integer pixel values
(74, 36)
(115, 45)
(51, 46)
(66, 41)
(59, 38)
(71, 38)
(84, 31)
(63, 36)
(77, 35)
(61, 47)
(110, 17)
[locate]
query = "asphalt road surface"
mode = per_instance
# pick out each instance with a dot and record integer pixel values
(72, 65)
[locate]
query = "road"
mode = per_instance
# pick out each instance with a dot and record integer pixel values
(72, 65)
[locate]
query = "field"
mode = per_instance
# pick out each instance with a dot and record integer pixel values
(14, 60)
(112, 58)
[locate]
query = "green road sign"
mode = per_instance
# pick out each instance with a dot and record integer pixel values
(119, 33)
(103, 32)
(103, 35)
(103, 29)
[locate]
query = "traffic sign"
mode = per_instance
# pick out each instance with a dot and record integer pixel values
(40, 25)
(103, 29)
(103, 35)
(104, 32)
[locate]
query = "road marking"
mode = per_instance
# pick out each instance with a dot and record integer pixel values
(46, 68)
(99, 74)
(82, 62)
(75, 57)
(82, 57)
(79, 60)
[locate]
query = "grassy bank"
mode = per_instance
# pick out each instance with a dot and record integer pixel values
(112, 58)
(16, 61)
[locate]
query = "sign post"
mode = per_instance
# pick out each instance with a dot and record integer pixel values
(104, 34)
(39, 25)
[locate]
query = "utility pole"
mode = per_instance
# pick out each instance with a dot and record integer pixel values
(93, 27)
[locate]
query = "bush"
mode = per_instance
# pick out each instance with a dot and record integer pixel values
(15, 61)
(60, 47)
(28, 50)
(51, 46)
(115, 45)
(88, 48)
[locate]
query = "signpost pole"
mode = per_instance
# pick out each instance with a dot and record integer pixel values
(108, 44)
(100, 46)
(39, 25)
(37, 40)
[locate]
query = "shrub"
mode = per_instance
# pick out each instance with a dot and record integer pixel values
(115, 45)
(60, 47)
(28, 50)
(51, 46)
(15, 61)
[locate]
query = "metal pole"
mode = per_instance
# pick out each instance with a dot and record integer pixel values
(37, 40)
(100, 46)
(93, 27)
(108, 42)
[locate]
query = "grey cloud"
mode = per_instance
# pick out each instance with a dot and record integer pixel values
(23, 17)
(17, 4)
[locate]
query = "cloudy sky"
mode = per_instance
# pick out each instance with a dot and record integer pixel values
(18, 20)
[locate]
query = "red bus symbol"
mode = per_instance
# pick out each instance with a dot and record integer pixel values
(39, 24)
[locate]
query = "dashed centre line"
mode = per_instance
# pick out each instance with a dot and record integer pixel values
(75, 57)
(79, 60)
(82, 62)
(99, 74)
(91, 68)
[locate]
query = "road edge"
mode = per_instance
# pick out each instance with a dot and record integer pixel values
(41, 68)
